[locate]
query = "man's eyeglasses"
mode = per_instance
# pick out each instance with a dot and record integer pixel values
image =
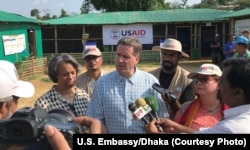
(90, 58)
(202, 79)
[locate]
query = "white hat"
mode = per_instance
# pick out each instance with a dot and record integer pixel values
(10, 85)
(206, 69)
(173, 45)
(91, 51)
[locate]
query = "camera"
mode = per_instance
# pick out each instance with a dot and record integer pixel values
(160, 89)
(26, 127)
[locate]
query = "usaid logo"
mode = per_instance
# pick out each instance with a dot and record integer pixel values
(115, 34)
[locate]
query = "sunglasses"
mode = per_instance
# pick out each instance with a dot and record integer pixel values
(202, 79)
(90, 58)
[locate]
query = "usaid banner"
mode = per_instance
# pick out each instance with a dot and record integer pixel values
(242, 25)
(112, 33)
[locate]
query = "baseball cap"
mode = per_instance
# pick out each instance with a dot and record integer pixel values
(173, 45)
(241, 39)
(206, 69)
(91, 51)
(10, 85)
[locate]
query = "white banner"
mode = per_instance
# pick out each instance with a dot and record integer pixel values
(14, 44)
(242, 25)
(112, 33)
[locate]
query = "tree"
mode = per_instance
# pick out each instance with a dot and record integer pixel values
(124, 5)
(243, 4)
(223, 4)
(35, 13)
(63, 13)
(85, 7)
(206, 4)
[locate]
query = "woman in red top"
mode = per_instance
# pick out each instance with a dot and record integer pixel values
(207, 109)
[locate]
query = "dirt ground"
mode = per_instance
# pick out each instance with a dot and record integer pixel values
(43, 84)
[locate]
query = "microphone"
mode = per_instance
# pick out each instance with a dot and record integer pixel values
(139, 113)
(152, 102)
(140, 102)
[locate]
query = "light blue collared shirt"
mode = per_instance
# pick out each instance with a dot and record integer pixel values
(112, 95)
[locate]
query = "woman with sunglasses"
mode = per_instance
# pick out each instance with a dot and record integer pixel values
(207, 109)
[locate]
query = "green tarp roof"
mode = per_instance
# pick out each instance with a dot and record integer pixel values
(243, 12)
(9, 17)
(159, 16)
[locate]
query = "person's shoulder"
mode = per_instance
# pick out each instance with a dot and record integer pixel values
(184, 71)
(110, 75)
(48, 93)
(82, 74)
(146, 76)
(184, 106)
(81, 92)
(154, 70)
(81, 77)
(138, 71)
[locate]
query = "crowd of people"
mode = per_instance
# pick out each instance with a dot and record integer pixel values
(234, 47)
(214, 99)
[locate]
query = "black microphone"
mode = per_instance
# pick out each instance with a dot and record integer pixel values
(139, 113)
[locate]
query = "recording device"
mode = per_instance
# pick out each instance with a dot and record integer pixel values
(160, 89)
(141, 109)
(152, 102)
(139, 113)
(26, 127)
(140, 102)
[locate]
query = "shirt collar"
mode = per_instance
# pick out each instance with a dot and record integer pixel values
(132, 79)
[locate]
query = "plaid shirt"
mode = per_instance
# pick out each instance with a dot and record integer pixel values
(52, 100)
(112, 95)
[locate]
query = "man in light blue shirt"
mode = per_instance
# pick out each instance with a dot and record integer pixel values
(115, 91)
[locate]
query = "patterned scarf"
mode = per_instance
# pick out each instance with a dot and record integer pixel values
(192, 110)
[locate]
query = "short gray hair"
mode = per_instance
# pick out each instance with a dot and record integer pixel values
(6, 99)
(131, 41)
(56, 60)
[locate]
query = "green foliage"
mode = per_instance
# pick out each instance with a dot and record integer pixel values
(127, 5)
(142, 5)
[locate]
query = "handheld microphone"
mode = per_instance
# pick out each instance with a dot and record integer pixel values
(140, 102)
(152, 102)
(139, 113)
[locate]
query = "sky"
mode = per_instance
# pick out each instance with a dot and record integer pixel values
(23, 7)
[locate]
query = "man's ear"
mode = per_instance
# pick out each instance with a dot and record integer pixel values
(239, 95)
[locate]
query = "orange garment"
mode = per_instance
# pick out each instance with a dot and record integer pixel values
(197, 116)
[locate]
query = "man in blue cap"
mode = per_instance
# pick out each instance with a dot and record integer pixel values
(241, 44)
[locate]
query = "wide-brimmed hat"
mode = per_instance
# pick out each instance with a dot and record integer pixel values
(91, 51)
(10, 85)
(173, 45)
(206, 69)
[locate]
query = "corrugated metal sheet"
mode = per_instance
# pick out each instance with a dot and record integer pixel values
(159, 16)
(243, 12)
(9, 17)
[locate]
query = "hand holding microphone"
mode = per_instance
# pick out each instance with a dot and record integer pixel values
(152, 102)
(143, 109)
